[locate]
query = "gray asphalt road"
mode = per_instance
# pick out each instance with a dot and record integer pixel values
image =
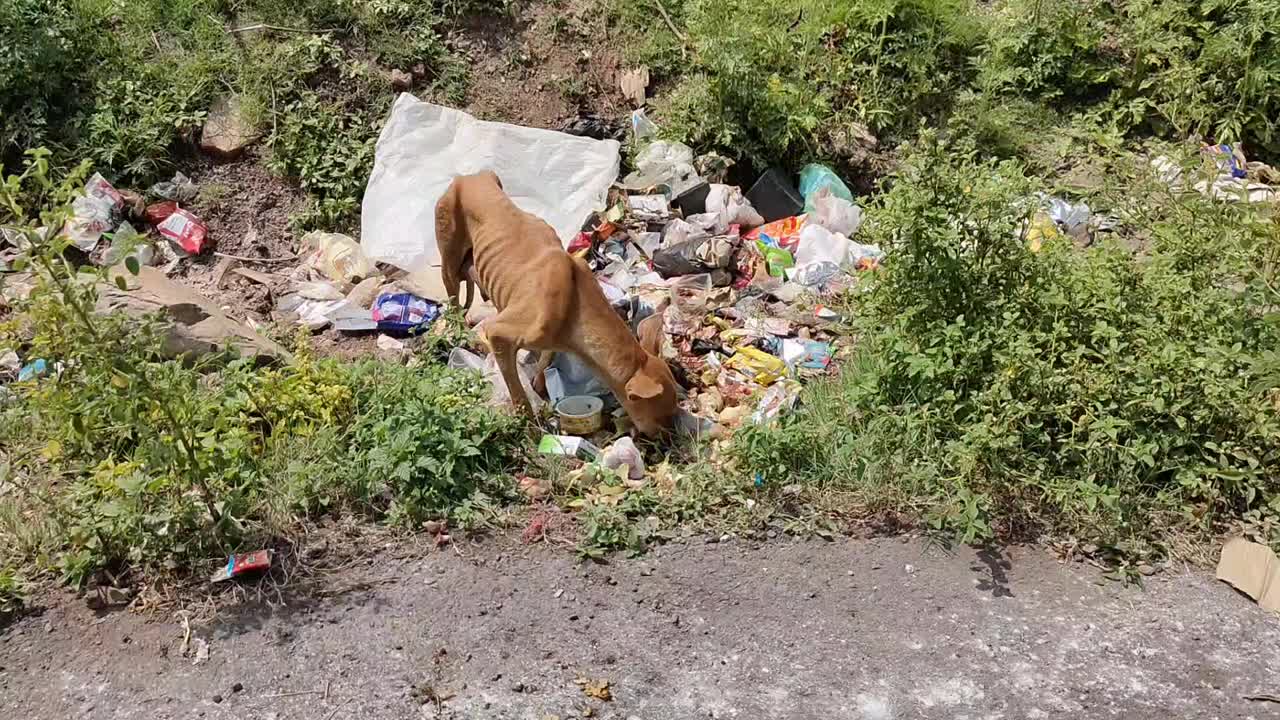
(855, 629)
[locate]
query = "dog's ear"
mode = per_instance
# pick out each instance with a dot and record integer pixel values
(643, 387)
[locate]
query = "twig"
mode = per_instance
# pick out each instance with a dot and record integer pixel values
(277, 28)
(662, 9)
(1263, 698)
(186, 633)
(242, 258)
(335, 710)
(326, 690)
(290, 694)
(156, 40)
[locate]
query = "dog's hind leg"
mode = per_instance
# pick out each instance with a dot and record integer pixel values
(505, 346)
(454, 249)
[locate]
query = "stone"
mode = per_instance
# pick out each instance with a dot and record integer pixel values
(227, 130)
(401, 81)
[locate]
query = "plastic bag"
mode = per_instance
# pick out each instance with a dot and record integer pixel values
(784, 233)
(664, 163)
(184, 229)
(337, 256)
(730, 207)
(688, 303)
(650, 208)
(693, 256)
(559, 178)
(642, 128)
(776, 259)
(816, 178)
(809, 354)
(568, 375)
(93, 213)
(758, 364)
(463, 359)
(818, 245)
(624, 452)
(813, 275)
(777, 400)
(180, 189)
(835, 213)
(404, 312)
(127, 242)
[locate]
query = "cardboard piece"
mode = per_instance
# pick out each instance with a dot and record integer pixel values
(1252, 569)
(198, 325)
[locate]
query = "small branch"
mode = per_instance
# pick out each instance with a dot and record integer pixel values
(662, 9)
(335, 710)
(291, 694)
(277, 28)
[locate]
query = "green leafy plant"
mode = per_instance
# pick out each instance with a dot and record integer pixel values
(1002, 390)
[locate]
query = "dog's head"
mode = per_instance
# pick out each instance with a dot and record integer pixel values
(651, 396)
(651, 392)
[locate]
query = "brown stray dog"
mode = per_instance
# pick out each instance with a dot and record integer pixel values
(546, 300)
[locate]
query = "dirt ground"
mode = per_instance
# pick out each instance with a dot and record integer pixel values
(871, 629)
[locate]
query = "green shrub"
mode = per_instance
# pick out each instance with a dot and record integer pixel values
(131, 460)
(330, 154)
(775, 73)
(426, 440)
(44, 55)
(1085, 392)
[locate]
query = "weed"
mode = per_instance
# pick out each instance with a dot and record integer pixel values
(1082, 392)
(329, 153)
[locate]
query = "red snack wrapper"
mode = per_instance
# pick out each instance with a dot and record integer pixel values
(185, 230)
(243, 563)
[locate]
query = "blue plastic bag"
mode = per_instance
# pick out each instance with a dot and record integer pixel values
(814, 178)
(404, 312)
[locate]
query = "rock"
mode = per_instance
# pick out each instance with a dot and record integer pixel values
(217, 699)
(517, 687)
(238, 687)
(227, 131)
(401, 81)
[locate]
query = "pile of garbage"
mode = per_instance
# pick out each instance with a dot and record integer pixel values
(738, 280)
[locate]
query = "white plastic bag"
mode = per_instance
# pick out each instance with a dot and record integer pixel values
(93, 213)
(664, 163)
(463, 359)
(731, 207)
(557, 177)
(819, 244)
(624, 452)
(337, 256)
(125, 242)
(835, 213)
